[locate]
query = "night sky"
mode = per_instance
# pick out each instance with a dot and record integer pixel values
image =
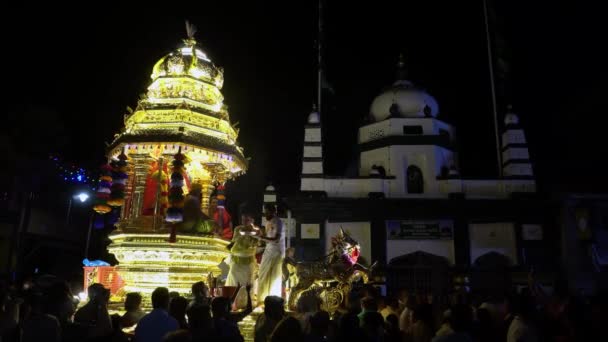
(70, 73)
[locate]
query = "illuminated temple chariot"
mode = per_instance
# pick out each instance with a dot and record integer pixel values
(182, 113)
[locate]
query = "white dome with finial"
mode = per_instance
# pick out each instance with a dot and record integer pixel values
(269, 188)
(314, 118)
(403, 99)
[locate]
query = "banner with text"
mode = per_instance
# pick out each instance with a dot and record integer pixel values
(407, 230)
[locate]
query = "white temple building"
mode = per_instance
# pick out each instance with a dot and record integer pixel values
(410, 208)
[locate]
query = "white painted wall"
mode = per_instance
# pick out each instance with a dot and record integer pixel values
(447, 186)
(309, 167)
(270, 198)
(493, 237)
(353, 187)
(312, 184)
(379, 157)
(313, 152)
(513, 136)
(401, 157)
(394, 127)
(396, 159)
(515, 153)
(312, 134)
(360, 231)
(394, 188)
(518, 170)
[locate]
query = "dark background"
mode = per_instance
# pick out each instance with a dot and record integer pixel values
(70, 71)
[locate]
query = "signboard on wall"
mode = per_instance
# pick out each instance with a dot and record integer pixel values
(430, 236)
(310, 231)
(407, 230)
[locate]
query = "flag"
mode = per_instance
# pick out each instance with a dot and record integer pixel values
(501, 53)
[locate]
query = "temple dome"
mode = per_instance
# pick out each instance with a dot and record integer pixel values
(189, 60)
(511, 118)
(405, 100)
(314, 118)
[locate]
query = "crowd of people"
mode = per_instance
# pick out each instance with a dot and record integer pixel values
(527, 315)
(47, 311)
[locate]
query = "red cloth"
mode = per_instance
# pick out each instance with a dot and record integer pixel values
(151, 188)
(227, 233)
(225, 223)
(149, 200)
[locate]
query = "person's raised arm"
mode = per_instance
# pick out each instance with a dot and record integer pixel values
(233, 297)
(238, 316)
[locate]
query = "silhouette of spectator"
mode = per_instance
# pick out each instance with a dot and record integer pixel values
(133, 310)
(156, 324)
(177, 310)
(273, 313)
(288, 329)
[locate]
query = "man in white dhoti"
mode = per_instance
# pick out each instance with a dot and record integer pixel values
(242, 257)
(270, 274)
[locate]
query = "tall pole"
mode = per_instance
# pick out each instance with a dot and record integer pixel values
(86, 246)
(67, 216)
(492, 87)
(20, 228)
(319, 58)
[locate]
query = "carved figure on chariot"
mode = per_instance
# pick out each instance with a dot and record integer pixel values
(331, 278)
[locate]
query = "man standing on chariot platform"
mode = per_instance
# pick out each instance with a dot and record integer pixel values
(270, 275)
(242, 257)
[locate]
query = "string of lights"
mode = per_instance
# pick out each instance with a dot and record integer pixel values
(72, 173)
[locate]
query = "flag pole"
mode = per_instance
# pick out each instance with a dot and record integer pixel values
(492, 87)
(319, 61)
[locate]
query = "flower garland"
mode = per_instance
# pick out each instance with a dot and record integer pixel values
(103, 191)
(119, 179)
(161, 177)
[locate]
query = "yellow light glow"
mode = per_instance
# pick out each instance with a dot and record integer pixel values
(198, 73)
(183, 109)
(176, 69)
(147, 261)
(188, 52)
